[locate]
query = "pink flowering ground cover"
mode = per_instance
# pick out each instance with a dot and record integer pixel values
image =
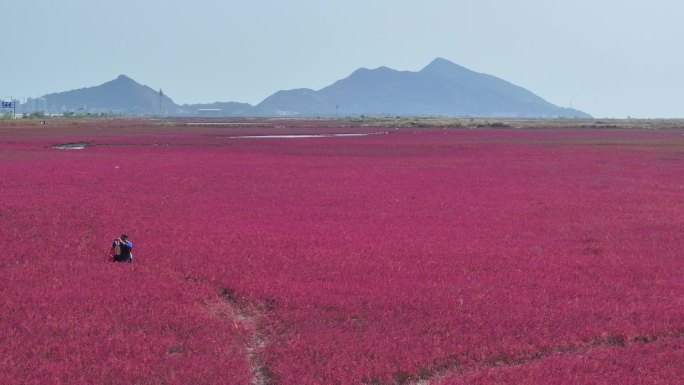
(640, 364)
(412, 255)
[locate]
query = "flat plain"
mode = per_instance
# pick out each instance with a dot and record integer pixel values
(400, 252)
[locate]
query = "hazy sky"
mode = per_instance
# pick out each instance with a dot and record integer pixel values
(610, 58)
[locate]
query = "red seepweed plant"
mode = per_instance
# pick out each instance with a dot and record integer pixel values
(462, 256)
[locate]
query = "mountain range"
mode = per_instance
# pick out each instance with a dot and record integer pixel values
(442, 88)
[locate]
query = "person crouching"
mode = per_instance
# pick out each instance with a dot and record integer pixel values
(125, 248)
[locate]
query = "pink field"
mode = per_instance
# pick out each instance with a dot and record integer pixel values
(417, 256)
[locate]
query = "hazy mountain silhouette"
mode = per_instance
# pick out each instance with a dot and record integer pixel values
(442, 88)
(122, 95)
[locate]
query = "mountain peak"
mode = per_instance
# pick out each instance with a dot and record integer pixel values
(441, 61)
(441, 65)
(123, 78)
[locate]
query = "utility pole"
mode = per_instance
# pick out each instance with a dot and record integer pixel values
(161, 94)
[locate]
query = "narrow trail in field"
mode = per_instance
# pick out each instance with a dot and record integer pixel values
(248, 315)
(458, 368)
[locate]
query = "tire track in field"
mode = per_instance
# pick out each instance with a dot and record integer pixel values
(459, 368)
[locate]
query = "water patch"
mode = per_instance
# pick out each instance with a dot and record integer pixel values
(70, 146)
(299, 136)
(223, 124)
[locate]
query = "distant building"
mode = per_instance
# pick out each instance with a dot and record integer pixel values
(209, 112)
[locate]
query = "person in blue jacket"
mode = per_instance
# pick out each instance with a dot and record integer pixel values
(126, 247)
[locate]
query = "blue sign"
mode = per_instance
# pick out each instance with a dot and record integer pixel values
(6, 104)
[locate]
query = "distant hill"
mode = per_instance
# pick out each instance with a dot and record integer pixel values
(217, 109)
(122, 95)
(442, 88)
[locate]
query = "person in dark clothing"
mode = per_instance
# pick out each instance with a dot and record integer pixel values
(125, 246)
